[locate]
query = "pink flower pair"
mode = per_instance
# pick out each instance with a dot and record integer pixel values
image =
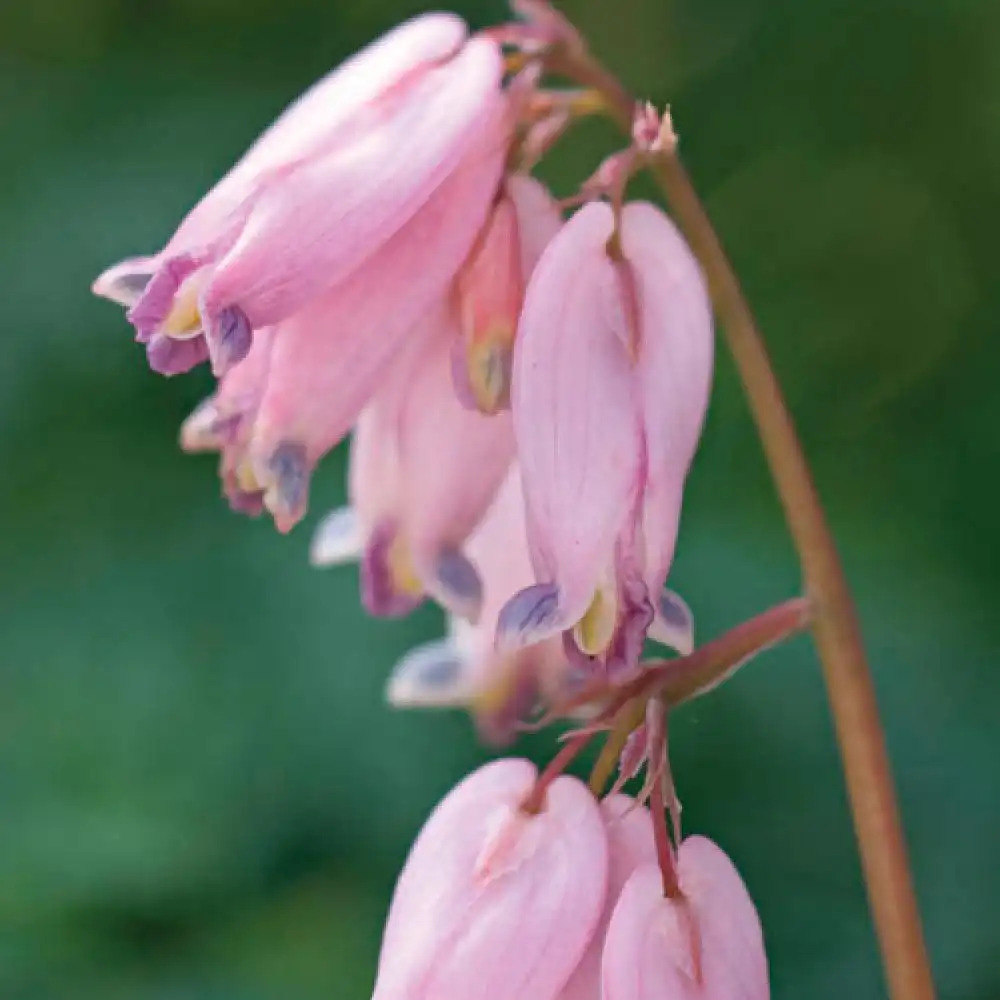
(563, 904)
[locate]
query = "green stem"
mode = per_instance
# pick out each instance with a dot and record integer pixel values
(835, 625)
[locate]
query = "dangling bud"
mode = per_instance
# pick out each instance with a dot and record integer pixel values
(703, 944)
(493, 901)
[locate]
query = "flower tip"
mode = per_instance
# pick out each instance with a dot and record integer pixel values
(124, 282)
(229, 337)
(432, 675)
(287, 491)
(531, 615)
(202, 430)
(338, 539)
(456, 585)
(673, 623)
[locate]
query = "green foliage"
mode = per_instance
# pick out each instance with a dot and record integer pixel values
(202, 793)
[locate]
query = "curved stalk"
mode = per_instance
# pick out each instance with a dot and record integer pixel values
(835, 627)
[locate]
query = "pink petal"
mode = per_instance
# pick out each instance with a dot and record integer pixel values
(319, 115)
(494, 904)
(490, 290)
(576, 424)
(329, 358)
(706, 945)
(313, 224)
(674, 370)
(630, 845)
(453, 461)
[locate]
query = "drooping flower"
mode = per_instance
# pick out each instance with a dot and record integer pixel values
(612, 369)
(465, 669)
(423, 472)
(490, 289)
(704, 944)
(495, 903)
(630, 845)
(350, 165)
(329, 359)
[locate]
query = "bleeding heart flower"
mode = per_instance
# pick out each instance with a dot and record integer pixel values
(495, 903)
(348, 167)
(611, 377)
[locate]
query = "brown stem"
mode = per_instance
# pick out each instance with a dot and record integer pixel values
(835, 626)
(664, 850)
(535, 801)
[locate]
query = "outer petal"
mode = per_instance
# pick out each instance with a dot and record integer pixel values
(312, 225)
(328, 359)
(491, 287)
(630, 845)
(453, 461)
(576, 423)
(707, 945)
(318, 117)
(494, 904)
(674, 370)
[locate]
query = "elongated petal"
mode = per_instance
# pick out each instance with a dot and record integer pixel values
(704, 945)
(494, 904)
(453, 461)
(575, 420)
(490, 290)
(319, 116)
(312, 225)
(674, 369)
(328, 359)
(630, 845)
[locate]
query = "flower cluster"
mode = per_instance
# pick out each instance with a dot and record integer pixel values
(525, 393)
(566, 903)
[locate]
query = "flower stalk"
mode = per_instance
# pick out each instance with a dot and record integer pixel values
(835, 625)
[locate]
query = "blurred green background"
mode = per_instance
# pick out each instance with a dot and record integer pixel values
(202, 794)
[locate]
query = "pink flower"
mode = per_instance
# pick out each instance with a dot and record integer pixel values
(423, 472)
(490, 289)
(611, 377)
(705, 944)
(352, 164)
(495, 903)
(327, 361)
(630, 845)
(465, 669)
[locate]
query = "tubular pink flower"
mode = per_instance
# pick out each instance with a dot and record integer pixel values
(490, 289)
(465, 669)
(495, 903)
(630, 845)
(346, 168)
(329, 359)
(705, 944)
(424, 470)
(611, 375)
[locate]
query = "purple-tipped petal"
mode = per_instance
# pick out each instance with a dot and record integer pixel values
(456, 585)
(125, 282)
(433, 675)
(228, 339)
(673, 624)
(531, 615)
(174, 357)
(338, 539)
(389, 588)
